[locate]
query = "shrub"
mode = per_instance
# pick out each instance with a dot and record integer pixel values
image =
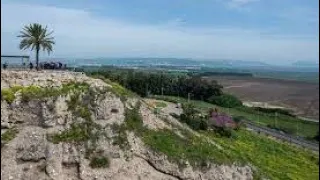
(317, 137)
(31, 92)
(223, 132)
(183, 118)
(8, 135)
(7, 95)
(194, 123)
(274, 110)
(238, 121)
(121, 136)
(203, 125)
(76, 133)
(99, 162)
(133, 118)
(225, 100)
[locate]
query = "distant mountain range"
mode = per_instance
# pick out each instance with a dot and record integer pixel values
(185, 62)
(306, 64)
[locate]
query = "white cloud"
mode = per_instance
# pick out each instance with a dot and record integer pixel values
(78, 33)
(239, 3)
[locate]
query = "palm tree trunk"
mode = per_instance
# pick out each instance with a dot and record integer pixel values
(37, 56)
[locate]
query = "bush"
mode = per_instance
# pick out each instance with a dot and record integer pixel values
(203, 125)
(99, 162)
(225, 100)
(274, 110)
(194, 123)
(8, 135)
(76, 133)
(238, 121)
(317, 137)
(224, 132)
(7, 95)
(183, 118)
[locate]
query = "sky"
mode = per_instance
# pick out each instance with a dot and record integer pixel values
(271, 31)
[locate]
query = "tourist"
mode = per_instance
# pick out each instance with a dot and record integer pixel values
(5, 65)
(31, 66)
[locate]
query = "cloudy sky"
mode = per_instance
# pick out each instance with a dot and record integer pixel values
(273, 31)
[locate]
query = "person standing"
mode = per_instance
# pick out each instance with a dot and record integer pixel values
(31, 66)
(5, 65)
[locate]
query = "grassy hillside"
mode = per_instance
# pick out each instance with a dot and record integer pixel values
(273, 159)
(287, 123)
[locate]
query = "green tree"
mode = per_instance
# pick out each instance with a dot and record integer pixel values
(35, 36)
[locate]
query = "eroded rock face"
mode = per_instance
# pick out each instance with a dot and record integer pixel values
(4, 115)
(31, 155)
(110, 110)
(33, 146)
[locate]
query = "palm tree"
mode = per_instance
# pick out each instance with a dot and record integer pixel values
(36, 36)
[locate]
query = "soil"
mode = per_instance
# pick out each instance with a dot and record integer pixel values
(301, 97)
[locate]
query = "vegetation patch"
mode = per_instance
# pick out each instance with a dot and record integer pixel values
(133, 119)
(7, 95)
(8, 135)
(160, 104)
(35, 92)
(192, 118)
(116, 88)
(87, 131)
(225, 100)
(99, 162)
(121, 138)
(294, 125)
(273, 159)
(76, 133)
(193, 149)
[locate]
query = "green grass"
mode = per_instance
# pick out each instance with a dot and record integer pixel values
(195, 150)
(273, 159)
(116, 88)
(121, 138)
(160, 104)
(9, 93)
(76, 133)
(35, 92)
(287, 123)
(8, 136)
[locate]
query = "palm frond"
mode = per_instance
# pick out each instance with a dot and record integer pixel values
(35, 36)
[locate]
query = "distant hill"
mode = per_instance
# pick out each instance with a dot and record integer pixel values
(306, 64)
(168, 62)
(234, 63)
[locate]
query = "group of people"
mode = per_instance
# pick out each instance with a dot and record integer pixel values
(44, 65)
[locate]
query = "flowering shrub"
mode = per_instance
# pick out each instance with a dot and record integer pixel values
(221, 120)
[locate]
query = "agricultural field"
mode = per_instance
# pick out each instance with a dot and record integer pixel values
(301, 97)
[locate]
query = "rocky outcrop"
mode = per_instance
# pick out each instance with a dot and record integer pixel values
(52, 141)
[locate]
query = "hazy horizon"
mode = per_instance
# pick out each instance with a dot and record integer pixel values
(273, 32)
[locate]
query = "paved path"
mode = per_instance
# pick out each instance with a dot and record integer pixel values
(286, 137)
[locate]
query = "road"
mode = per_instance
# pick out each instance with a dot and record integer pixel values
(286, 137)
